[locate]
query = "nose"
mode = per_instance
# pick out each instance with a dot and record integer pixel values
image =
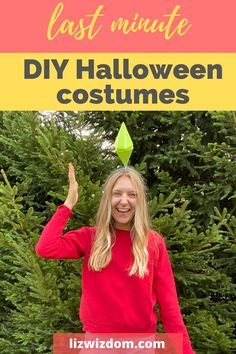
(124, 199)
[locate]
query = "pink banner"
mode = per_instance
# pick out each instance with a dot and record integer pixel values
(117, 26)
(117, 343)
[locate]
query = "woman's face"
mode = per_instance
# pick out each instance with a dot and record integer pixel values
(123, 203)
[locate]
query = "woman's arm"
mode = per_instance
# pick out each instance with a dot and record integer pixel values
(167, 298)
(52, 244)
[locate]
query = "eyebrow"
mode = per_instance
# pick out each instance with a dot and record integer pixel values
(118, 190)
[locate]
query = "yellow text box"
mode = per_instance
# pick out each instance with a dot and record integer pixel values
(147, 81)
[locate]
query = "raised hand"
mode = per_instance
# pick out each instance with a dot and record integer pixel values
(72, 196)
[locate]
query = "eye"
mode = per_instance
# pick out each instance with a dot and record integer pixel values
(116, 194)
(132, 195)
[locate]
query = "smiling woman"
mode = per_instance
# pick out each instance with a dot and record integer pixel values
(123, 203)
(123, 207)
(123, 258)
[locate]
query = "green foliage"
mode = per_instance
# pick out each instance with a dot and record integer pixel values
(193, 153)
(188, 161)
(41, 297)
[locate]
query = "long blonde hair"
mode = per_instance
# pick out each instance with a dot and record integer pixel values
(105, 232)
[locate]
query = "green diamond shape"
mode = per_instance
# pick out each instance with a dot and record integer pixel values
(123, 144)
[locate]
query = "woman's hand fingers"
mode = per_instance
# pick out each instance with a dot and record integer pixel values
(72, 196)
(71, 173)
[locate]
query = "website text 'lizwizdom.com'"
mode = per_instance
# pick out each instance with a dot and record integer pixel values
(123, 343)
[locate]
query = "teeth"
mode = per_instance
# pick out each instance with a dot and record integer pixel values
(123, 210)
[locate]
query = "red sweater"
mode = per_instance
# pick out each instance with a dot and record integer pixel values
(112, 301)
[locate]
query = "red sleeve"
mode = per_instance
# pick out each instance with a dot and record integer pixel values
(167, 298)
(53, 244)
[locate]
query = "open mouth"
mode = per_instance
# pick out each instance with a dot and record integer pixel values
(123, 210)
